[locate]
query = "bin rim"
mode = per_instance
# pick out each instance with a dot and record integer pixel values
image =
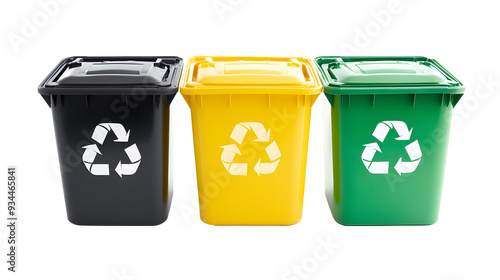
(189, 87)
(168, 86)
(334, 87)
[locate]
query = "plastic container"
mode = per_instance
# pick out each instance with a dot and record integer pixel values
(390, 121)
(111, 119)
(251, 120)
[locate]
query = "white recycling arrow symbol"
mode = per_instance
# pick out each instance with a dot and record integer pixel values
(238, 135)
(135, 157)
(102, 129)
(382, 167)
(91, 151)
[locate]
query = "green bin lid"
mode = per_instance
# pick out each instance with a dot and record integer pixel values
(385, 75)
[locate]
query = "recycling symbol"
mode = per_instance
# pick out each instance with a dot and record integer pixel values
(382, 167)
(91, 151)
(238, 135)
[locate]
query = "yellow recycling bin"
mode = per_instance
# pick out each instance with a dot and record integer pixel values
(251, 120)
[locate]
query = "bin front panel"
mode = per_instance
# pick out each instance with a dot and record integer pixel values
(123, 180)
(251, 156)
(397, 180)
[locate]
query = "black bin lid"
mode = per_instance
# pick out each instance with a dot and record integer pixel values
(120, 75)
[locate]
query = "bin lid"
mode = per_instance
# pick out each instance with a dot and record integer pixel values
(250, 75)
(113, 75)
(385, 75)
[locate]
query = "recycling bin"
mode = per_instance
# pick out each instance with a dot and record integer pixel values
(390, 122)
(250, 118)
(111, 121)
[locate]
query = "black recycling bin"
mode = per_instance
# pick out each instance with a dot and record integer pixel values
(111, 119)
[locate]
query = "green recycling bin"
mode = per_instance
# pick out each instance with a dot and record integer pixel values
(390, 123)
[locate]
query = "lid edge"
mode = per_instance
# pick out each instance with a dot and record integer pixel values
(161, 89)
(314, 88)
(333, 88)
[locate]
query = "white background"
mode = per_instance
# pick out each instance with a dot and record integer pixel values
(464, 244)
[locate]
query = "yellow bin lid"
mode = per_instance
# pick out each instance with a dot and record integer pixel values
(249, 75)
